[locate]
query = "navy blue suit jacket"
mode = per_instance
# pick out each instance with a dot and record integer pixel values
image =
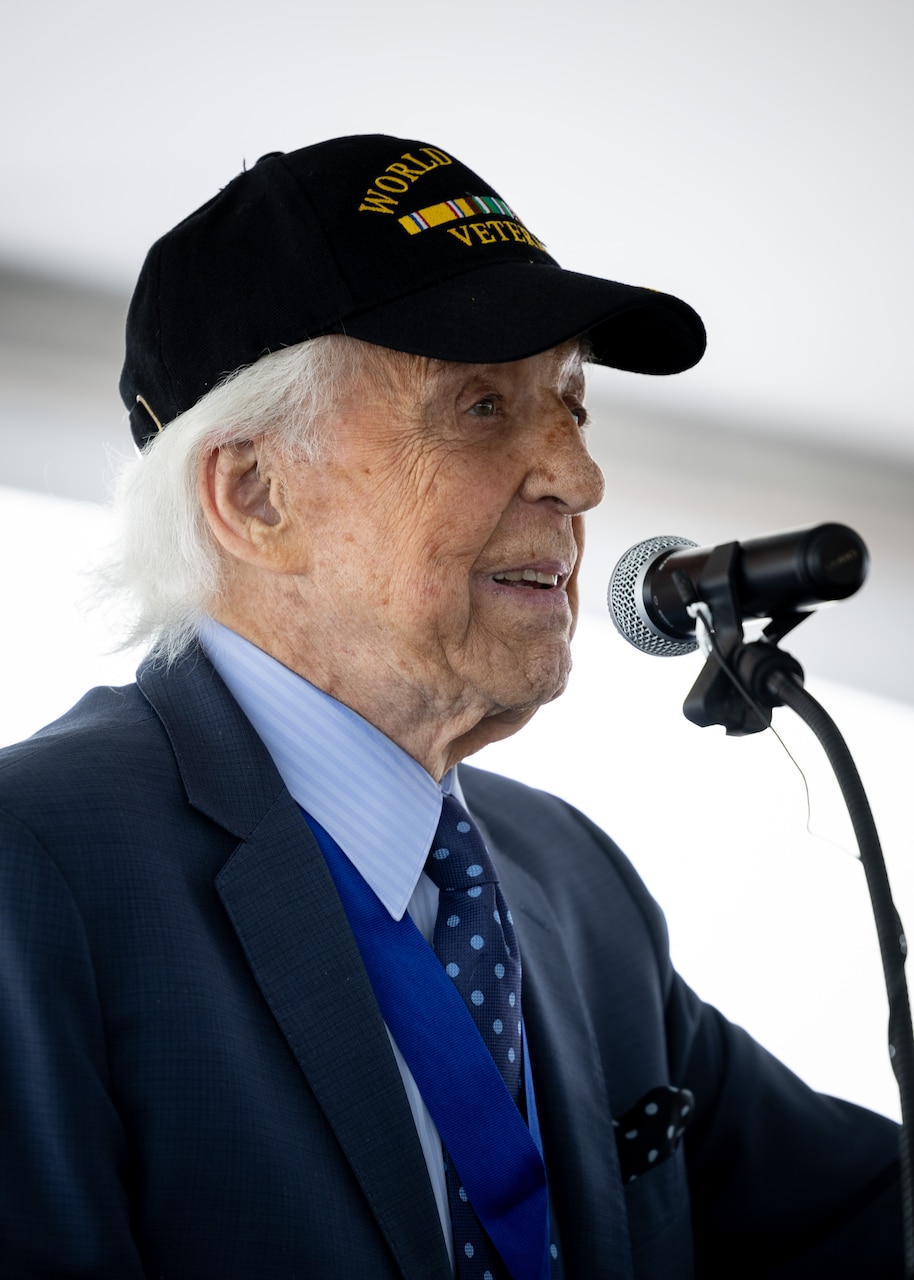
(197, 1084)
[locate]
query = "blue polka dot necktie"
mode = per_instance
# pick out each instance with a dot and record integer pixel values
(475, 941)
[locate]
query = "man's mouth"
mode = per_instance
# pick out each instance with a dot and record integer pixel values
(527, 578)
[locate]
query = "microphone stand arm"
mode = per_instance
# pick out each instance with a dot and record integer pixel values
(737, 688)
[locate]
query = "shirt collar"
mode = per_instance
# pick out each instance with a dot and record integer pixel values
(378, 803)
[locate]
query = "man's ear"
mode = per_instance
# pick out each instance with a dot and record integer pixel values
(246, 506)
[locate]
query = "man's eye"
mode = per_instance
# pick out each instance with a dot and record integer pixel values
(485, 408)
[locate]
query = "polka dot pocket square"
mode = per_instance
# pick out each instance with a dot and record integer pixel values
(651, 1131)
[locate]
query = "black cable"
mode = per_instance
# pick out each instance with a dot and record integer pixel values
(892, 944)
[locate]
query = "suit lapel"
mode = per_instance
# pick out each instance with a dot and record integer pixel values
(287, 915)
(571, 1092)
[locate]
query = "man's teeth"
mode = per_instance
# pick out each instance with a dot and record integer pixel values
(528, 575)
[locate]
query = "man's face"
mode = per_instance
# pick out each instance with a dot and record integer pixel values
(443, 533)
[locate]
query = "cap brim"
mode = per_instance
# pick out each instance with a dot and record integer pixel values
(510, 311)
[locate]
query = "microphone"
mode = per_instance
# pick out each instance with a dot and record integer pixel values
(777, 574)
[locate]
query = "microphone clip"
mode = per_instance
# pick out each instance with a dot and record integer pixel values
(733, 688)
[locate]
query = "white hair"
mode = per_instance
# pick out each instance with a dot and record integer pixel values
(166, 564)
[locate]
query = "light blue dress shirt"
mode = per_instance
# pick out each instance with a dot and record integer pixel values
(361, 787)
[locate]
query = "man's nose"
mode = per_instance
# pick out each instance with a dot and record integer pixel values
(561, 468)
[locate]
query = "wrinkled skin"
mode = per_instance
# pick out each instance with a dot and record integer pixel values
(376, 572)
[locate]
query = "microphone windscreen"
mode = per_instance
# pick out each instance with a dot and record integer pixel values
(625, 600)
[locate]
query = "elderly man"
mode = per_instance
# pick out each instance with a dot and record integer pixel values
(286, 993)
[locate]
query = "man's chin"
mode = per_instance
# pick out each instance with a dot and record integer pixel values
(518, 708)
(508, 713)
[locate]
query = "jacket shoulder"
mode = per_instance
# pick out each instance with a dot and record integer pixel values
(105, 723)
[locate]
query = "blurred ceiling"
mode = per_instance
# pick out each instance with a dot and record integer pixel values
(753, 158)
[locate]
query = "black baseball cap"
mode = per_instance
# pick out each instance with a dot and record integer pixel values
(385, 239)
